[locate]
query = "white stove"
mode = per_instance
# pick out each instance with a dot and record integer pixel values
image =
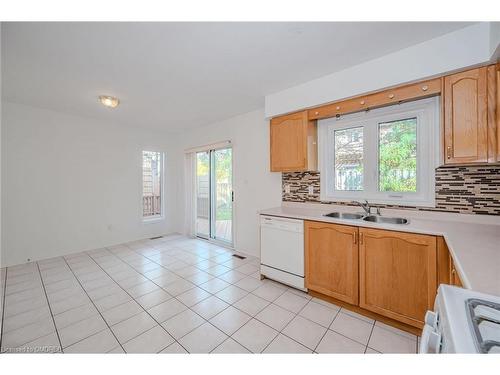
(463, 321)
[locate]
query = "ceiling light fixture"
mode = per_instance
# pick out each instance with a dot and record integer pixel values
(109, 101)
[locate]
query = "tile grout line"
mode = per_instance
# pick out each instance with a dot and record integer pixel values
(267, 325)
(99, 312)
(303, 317)
(138, 271)
(32, 309)
(369, 337)
(159, 286)
(327, 329)
(48, 304)
(286, 325)
(80, 320)
(149, 259)
(135, 301)
(3, 307)
(230, 336)
(251, 317)
(189, 308)
(205, 320)
(280, 331)
(193, 265)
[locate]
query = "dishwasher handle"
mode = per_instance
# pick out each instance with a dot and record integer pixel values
(291, 225)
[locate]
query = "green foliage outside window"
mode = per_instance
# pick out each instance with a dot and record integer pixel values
(398, 156)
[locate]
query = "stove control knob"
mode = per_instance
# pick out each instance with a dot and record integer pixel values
(431, 319)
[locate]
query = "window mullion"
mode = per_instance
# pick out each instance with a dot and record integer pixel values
(371, 158)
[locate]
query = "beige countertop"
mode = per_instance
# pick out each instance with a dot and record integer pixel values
(473, 240)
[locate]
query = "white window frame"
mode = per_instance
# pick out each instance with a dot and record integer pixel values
(155, 218)
(426, 111)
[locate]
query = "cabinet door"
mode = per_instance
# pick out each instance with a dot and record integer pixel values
(492, 91)
(465, 117)
(497, 108)
(289, 142)
(331, 255)
(397, 274)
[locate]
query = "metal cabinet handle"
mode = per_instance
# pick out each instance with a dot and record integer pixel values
(361, 238)
(448, 152)
(354, 237)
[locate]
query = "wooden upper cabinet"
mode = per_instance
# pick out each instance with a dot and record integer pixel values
(397, 274)
(466, 117)
(497, 109)
(293, 143)
(491, 87)
(331, 259)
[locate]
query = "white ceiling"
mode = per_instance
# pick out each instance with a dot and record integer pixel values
(174, 76)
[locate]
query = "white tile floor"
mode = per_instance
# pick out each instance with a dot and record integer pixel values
(174, 295)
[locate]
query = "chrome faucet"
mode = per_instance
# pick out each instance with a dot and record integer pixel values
(365, 206)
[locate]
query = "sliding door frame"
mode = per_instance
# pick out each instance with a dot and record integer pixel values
(213, 198)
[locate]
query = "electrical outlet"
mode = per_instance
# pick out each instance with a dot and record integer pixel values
(310, 190)
(287, 189)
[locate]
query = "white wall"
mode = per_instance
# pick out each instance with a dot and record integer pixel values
(495, 40)
(71, 183)
(463, 48)
(1, 262)
(255, 187)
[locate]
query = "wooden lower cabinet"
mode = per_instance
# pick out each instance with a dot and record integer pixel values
(454, 277)
(331, 260)
(443, 262)
(446, 273)
(397, 274)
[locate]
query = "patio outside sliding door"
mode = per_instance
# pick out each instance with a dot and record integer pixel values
(214, 195)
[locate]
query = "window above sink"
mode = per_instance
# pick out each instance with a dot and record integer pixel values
(387, 155)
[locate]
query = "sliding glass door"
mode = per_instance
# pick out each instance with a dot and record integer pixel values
(223, 194)
(214, 195)
(203, 194)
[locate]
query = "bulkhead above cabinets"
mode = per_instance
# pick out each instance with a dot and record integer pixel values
(396, 95)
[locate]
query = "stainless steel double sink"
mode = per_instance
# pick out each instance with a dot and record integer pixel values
(369, 218)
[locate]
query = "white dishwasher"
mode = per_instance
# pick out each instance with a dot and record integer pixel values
(282, 250)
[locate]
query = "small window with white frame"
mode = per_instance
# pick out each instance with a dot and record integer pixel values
(387, 155)
(152, 184)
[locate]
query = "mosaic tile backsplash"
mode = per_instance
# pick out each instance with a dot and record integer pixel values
(462, 189)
